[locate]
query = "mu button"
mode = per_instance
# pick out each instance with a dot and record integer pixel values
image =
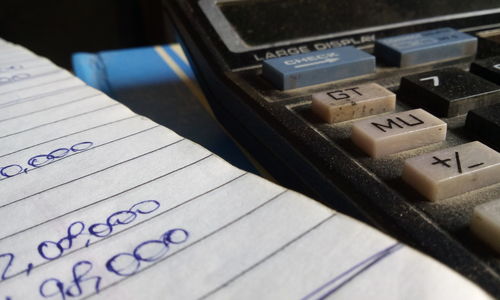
(397, 132)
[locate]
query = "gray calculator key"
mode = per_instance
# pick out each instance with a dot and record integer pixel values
(426, 46)
(453, 171)
(317, 67)
(485, 223)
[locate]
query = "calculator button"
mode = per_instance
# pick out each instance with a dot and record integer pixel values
(354, 102)
(448, 92)
(485, 223)
(397, 132)
(317, 67)
(488, 69)
(487, 47)
(453, 171)
(484, 124)
(426, 46)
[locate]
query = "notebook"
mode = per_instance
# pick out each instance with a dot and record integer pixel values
(98, 202)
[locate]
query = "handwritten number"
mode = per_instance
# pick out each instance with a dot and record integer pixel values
(118, 218)
(46, 249)
(149, 255)
(58, 153)
(123, 264)
(43, 246)
(54, 287)
(39, 160)
(81, 146)
(10, 260)
(75, 289)
(123, 217)
(7, 79)
(175, 236)
(145, 207)
(72, 234)
(51, 250)
(43, 159)
(11, 170)
(127, 264)
(11, 68)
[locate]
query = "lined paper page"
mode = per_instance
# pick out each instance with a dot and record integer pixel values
(100, 203)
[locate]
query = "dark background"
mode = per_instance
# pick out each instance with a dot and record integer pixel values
(58, 28)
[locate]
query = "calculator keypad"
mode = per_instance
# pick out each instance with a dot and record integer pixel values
(353, 102)
(453, 171)
(417, 169)
(448, 92)
(423, 168)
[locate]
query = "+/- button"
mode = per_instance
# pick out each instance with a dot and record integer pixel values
(484, 124)
(317, 67)
(488, 69)
(453, 171)
(485, 223)
(426, 46)
(448, 92)
(354, 102)
(397, 132)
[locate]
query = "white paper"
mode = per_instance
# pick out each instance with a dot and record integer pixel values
(98, 202)
(35, 92)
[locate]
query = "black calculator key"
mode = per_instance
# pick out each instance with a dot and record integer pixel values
(488, 47)
(448, 92)
(487, 68)
(484, 124)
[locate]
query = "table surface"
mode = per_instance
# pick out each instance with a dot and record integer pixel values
(157, 82)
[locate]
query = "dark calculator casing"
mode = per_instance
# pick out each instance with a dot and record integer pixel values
(302, 152)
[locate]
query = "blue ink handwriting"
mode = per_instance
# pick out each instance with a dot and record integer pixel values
(54, 287)
(43, 159)
(51, 250)
(83, 282)
(127, 264)
(9, 258)
(10, 68)
(16, 77)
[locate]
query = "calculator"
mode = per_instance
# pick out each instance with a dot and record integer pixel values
(388, 111)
